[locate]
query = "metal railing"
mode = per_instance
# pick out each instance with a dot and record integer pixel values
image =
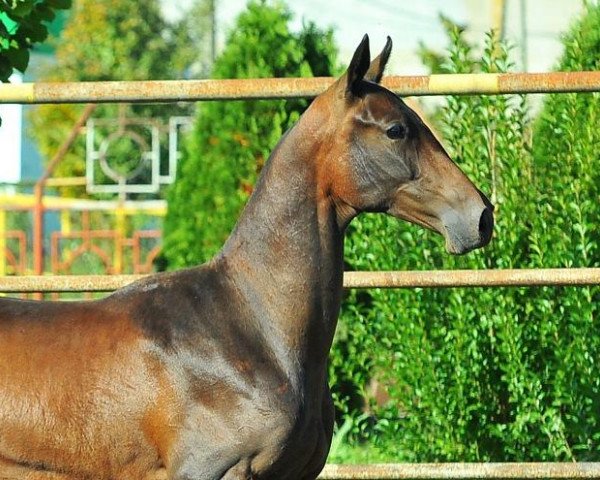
(282, 88)
(165, 91)
(544, 277)
(457, 471)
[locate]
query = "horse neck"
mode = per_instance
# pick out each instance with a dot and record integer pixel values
(286, 252)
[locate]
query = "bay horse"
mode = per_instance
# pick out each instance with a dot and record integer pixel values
(220, 371)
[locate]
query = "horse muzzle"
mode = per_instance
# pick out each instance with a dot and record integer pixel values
(466, 231)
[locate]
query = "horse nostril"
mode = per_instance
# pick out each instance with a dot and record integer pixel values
(485, 200)
(486, 224)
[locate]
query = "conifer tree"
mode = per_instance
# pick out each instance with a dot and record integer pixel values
(232, 140)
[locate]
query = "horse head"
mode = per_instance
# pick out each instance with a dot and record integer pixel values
(383, 158)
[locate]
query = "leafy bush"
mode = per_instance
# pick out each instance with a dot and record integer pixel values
(231, 140)
(487, 374)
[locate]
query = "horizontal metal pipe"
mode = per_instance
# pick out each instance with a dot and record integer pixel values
(65, 283)
(474, 278)
(26, 201)
(406, 279)
(263, 88)
(462, 471)
(66, 181)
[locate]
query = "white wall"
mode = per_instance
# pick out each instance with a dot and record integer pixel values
(10, 140)
(409, 23)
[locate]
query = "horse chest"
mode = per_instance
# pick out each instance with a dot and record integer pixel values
(263, 431)
(303, 450)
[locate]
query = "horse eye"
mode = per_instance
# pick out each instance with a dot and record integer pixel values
(396, 132)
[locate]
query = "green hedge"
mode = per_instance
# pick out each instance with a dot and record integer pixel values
(487, 374)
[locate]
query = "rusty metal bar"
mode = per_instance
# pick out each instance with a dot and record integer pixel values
(408, 279)
(65, 283)
(455, 471)
(474, 278)
(263, 88)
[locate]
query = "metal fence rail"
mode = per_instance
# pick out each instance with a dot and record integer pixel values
(404, 279)
(244, 89)
(456, 471)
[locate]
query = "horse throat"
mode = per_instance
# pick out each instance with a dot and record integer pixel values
(286, 253)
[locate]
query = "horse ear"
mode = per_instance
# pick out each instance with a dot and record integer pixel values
(375, 72)
(358, 66)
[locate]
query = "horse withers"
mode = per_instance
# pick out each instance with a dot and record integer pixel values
(220, 371)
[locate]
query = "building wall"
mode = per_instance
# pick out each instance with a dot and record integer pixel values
(409, 23)
(533, 27)
(10, 140)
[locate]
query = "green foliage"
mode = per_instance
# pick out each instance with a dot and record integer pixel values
(231, 140)
(566, 145)
(114, 40)
(109, 40)
(23, 23)
(487, 374)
